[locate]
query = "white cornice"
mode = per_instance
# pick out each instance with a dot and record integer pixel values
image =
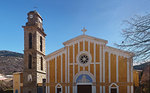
(86, 37)
(119, 52)
(55, 53)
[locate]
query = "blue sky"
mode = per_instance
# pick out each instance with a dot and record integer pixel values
(64, 19)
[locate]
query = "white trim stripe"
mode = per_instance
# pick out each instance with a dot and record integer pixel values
(109, 64)
(61, 68)
(116, 68)
(56, 69)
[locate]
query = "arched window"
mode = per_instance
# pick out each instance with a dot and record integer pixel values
(113, 88)
(41, 63)
(30, 62)
(58, 88)
(41, 43)
(30, 40)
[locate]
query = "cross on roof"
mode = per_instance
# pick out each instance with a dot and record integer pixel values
(84, 30)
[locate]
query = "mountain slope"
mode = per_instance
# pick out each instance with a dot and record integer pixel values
(10, 53)
(10, 62)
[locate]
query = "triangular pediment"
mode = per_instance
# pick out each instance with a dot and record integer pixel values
(85, 37)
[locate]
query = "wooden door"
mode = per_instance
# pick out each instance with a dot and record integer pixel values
(84, 89)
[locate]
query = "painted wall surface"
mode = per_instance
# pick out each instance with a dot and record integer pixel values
(136, 78)
(17, 82)
(107, 66)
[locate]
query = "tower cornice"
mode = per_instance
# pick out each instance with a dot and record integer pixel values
(30, 28)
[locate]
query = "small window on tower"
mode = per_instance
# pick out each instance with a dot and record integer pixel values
(41, 63)
(30, 40)
(30, 62)
(41, 43)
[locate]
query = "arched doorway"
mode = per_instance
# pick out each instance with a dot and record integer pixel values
(84, 83)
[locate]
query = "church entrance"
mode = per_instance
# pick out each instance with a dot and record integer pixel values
(84, 88)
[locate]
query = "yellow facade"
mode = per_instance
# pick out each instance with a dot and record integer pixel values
(108, 67)
(18, 82)
(136, 77)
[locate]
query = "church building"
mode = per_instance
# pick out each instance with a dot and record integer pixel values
(84, 65)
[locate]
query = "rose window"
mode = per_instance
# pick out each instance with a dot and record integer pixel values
(83, 58)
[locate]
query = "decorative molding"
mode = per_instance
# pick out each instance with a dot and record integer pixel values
(118, 52)
(116, 86)
(86, 53)
(84, 72)
(51, 55)
(81, 37)
(58, 86)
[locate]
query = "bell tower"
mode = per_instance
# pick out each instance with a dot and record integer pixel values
(34, 51)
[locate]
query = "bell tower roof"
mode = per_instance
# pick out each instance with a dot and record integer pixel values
(35, 13)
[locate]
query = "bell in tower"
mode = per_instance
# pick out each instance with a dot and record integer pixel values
(34, 71)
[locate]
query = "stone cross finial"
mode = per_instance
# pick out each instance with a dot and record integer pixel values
(84, 30)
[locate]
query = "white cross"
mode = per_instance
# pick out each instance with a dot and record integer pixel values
(84, 30)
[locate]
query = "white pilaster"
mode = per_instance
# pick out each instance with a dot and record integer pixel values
(65, 89)
(131, 72)
(100, 52)
(100, 89)
(56, 69)
(93, 89)
(48, 89)
(103, 89)
(68, 89)
(73, 59)
(68, 64)
(75, 91)
(78, 52)
(116, 68)
(61, 68)
(127, 71)
(128, 89)
(131, 89)
(103, 64)
(109, 64)
(83, 44)
(94, 59)
(89, 52)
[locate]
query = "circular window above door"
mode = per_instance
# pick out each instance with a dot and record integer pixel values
(83, 58)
